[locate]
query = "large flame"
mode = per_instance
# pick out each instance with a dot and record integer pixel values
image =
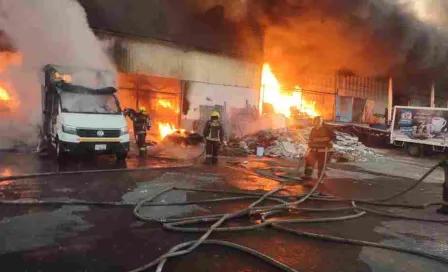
(4, 95)
(283, 101)
(165, 104)
(166, 129)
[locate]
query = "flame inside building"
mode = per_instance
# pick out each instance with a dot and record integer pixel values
(8, 101)
(165, 103)
(4, 96)
(282, 101)
(166, 128)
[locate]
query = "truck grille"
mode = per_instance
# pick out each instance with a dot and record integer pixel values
(94, 133)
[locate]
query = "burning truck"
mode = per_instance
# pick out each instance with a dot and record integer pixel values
(81, 113)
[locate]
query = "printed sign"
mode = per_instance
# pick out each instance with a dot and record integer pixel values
(421, 124)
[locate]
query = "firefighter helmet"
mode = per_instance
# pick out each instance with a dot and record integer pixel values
(142, 109)
(215, 114)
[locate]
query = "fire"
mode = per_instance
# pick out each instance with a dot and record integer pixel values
(166, 129)
(4, 95)
(66, 78)
(283, 101)
(165, 104)
(6, 173)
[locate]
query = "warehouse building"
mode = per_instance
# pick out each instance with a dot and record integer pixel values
(179, 79)
(180, 66)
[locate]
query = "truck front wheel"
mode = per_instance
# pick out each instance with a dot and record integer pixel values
(414, 150)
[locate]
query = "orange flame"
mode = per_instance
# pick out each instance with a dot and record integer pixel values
(166, 129)
(66, 78)
(165, 104)
(4, 95)
(6, 173)
(282, 101)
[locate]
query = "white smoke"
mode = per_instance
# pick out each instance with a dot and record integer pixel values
(44, 32)
(433, 12)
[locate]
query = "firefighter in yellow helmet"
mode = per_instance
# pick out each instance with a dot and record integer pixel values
(214, 137)
(142, 123)
(320, 141)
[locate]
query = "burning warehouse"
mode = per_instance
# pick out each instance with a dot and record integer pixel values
(181, 81)
(178, 75)
(288, 80)
(296, 59)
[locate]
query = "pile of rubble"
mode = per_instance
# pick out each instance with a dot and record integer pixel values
(349, 148)
(293, 144)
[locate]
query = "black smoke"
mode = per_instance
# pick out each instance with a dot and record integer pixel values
(177, 21)
(375, 38)
(300, 38)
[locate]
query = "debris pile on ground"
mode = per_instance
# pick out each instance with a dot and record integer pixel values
(349, 148)
(293, 144)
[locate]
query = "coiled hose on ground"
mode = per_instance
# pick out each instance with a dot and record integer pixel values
(266, 211)
(254, 210)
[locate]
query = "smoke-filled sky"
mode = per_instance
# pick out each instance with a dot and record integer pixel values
(368, 37)
(44, 32)
(401, 38)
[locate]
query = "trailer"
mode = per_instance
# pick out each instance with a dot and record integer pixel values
(372, 135)
(420, 129)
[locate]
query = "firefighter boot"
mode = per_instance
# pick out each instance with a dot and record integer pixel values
(308, 173)
(142, 151)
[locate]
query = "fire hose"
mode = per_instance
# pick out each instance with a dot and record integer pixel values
(69, 173)
(264, 212)
(176, 225)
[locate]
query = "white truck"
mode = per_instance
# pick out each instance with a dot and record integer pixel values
(81, 113)
(419, 129)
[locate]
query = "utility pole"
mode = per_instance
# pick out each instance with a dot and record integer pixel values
(433, 93)
(390, 101)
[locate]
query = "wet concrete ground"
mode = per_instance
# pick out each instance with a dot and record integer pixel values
(83, 238)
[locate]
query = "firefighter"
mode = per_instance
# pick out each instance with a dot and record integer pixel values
(214, 138)
(142, 123)
(320, 140)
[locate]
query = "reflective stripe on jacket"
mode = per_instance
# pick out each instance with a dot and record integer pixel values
(213, 131)
(320, 138)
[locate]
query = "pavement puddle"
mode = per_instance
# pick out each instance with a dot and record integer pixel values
(167, 180)
(35, 230)
(425, 237)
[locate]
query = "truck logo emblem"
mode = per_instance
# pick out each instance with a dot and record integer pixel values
(100, 133)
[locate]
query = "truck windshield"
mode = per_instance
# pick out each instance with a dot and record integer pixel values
(89, 103)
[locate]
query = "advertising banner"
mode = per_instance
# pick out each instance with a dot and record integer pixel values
(425, 124)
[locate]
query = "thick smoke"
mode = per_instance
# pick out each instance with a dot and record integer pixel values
(366, 37)
(42, 32)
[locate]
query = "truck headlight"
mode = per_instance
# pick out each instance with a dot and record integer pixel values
(124, 131)
(69, 129)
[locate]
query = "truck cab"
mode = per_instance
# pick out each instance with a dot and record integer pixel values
(81, 119)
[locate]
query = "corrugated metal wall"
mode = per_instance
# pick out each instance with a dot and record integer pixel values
(366, 88)
(168, 61)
